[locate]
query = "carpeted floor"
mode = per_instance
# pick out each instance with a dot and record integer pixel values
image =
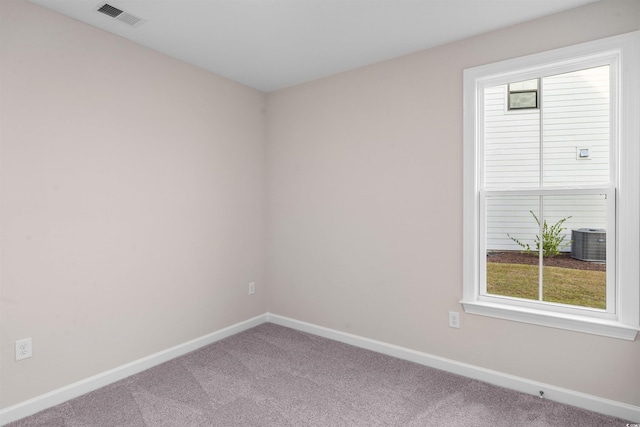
(275, 376)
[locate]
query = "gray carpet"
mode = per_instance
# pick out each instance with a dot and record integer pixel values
(275, 376)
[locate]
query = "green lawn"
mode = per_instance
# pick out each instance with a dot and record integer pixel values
(583, 288)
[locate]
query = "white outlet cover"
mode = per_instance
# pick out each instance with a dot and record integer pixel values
(24, 349)
(454, 319)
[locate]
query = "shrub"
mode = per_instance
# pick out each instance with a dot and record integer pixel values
(552, 238)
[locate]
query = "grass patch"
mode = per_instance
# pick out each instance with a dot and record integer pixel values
(582, 288)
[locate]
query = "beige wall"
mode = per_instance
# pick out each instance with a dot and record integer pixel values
(132, 200)
(365, 209)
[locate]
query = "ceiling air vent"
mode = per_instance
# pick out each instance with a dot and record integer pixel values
(109, 10)
(120, 15)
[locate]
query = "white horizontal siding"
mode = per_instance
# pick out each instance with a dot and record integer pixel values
(511, 216)
(563, 133)
(511, 143)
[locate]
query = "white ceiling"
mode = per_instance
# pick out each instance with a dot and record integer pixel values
(271, 44)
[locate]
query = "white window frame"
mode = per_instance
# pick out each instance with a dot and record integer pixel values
(622, 319)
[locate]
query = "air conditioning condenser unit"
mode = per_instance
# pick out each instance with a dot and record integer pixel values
(589, 244)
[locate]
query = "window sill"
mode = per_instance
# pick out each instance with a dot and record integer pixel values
(607, 328)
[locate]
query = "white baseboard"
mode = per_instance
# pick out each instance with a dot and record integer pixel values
(61, 395)
(570, 397)
(558, 394)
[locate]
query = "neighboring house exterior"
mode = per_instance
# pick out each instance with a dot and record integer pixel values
(574, 117)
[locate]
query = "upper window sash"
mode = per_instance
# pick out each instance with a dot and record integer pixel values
(610, 58)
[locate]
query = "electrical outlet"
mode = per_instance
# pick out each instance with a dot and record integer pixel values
(24, 349)
(252, 288)
(454, 319)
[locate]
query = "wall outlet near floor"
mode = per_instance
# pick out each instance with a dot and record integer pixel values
(24, 349)
(454, 319)
(252, 288)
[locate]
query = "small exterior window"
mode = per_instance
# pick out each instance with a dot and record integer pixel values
(523, 95)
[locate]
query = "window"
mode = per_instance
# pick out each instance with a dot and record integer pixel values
(523, 95)
(550, 238)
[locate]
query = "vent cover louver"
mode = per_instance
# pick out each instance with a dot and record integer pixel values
(120, 15)
(107, 9)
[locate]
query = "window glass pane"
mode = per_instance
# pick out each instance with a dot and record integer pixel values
(524, 85)
(573, 236)
(576, 135)
(574, 250)
(512, 261)
(511, 143)
(521, 100)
